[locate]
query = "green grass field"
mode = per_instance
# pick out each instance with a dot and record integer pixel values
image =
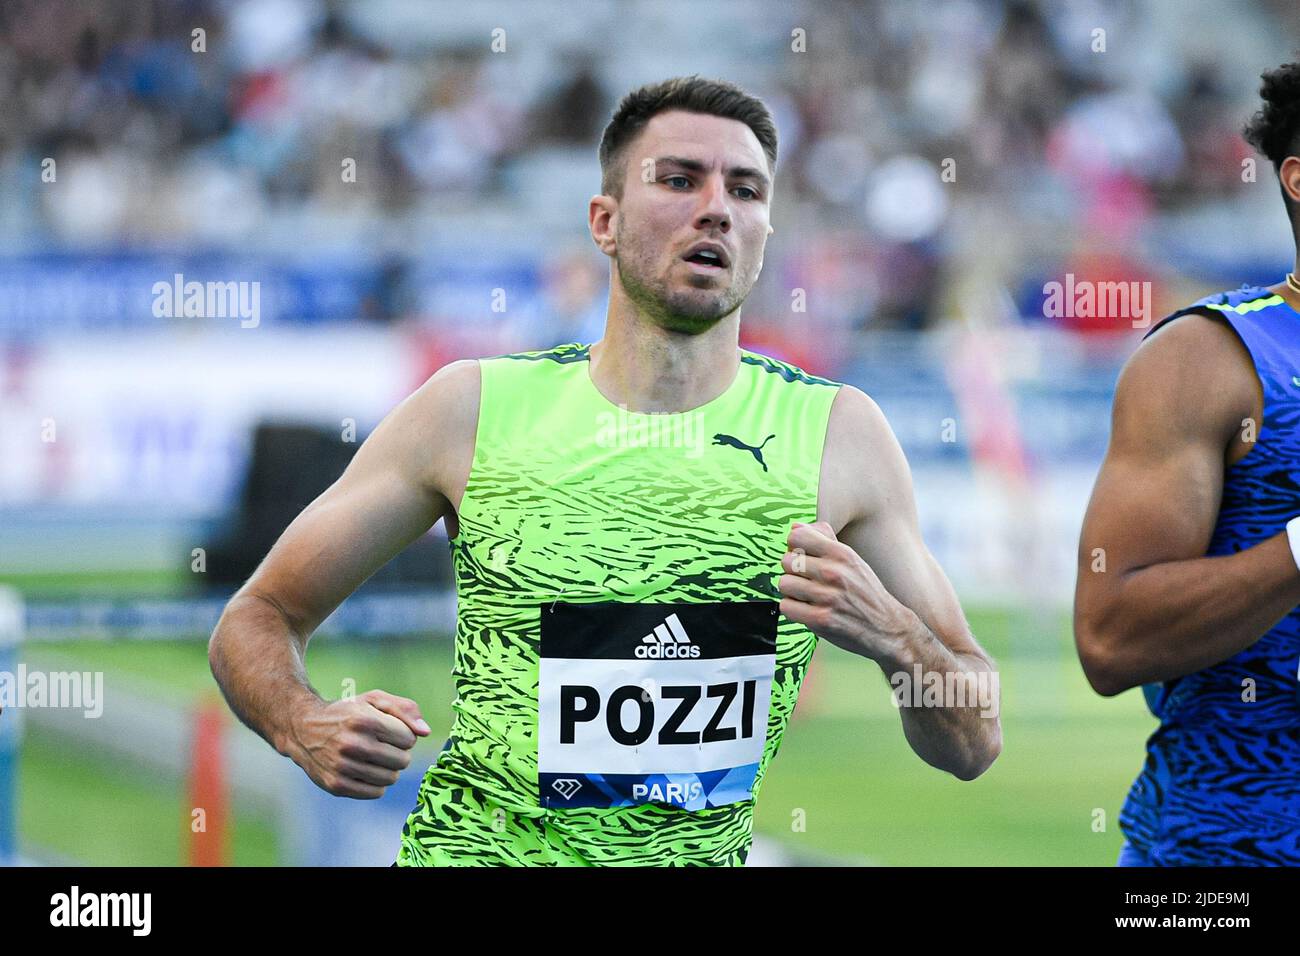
(844, 785)
(77, 807)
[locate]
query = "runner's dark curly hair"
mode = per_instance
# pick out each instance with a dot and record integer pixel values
(1273, 129)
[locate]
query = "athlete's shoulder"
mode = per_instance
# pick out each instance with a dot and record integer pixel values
(1248, 298)
(783, 371)
(454, 384)
(1164, 382)
(857, 425)
(510, 372)
(559, 354)
(860, 441)
(431, 432)
(1242, 301)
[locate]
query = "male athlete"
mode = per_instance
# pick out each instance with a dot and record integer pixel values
(628, 650)
(1188, 580)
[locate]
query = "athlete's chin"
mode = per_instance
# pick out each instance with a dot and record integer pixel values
(692, 315)
(690, 324)
(687, 325)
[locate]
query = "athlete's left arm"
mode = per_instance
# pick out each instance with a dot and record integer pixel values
(876, 590)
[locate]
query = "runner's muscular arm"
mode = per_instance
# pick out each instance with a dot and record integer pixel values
(394, 489)
(877, 590)
(1160, 609)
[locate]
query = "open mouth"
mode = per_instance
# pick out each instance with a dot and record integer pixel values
(707, 259)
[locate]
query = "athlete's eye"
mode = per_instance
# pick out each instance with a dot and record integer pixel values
(752, 194)
(682, 178)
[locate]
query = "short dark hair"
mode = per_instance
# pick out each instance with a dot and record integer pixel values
(690, 93)
(1272, 130)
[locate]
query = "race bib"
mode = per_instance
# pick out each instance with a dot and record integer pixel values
(653, 703)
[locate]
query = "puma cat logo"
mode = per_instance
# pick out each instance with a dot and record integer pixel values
(757, 452)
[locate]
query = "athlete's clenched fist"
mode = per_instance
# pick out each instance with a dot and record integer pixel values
(830, 589)
(356, 747)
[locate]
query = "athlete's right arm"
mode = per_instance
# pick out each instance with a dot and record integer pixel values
(395, 488)
(1149, 606)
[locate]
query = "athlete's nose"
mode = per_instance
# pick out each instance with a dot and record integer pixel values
(713, 205)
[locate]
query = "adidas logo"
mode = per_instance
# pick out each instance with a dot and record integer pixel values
(668, 639)
(566, 787)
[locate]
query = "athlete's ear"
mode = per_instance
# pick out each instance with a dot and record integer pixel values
(601, 213)
(770, 230)
(1289, 173)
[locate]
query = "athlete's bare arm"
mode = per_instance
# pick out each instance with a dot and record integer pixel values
(1148, 605)
(409, 473)
(867, 582)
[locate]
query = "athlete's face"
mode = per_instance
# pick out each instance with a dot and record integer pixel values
(692, 178)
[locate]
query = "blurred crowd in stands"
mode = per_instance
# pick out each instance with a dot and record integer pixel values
(938, 161)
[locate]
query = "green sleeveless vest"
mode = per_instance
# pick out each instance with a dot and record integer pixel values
(623, 674)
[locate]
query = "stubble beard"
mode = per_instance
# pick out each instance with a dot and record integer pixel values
(675, 309)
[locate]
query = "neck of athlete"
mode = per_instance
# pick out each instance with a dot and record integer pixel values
(1291, 297)
(647, 368)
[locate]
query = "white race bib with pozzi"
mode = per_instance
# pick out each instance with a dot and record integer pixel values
(653, 703)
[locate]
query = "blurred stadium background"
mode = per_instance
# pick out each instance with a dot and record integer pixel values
(940, 164)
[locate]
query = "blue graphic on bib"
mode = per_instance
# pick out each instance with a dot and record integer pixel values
(690, 791)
